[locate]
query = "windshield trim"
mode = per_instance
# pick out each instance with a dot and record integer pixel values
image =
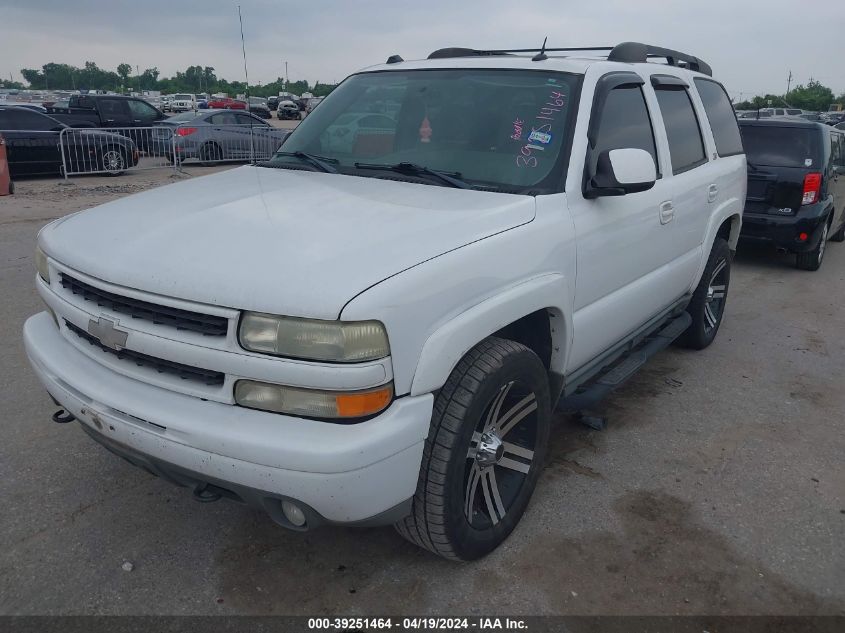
(554, 183)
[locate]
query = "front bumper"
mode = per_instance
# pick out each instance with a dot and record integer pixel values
(783, 230)
(346, 474)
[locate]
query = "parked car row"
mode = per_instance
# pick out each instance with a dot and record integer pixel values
(36, 145)
(211, 136)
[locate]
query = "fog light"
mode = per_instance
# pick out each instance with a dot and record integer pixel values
(293, 513)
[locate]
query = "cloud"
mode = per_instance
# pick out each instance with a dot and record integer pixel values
(752, 46)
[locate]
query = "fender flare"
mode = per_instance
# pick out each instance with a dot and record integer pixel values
(453, 339)
(731, 209)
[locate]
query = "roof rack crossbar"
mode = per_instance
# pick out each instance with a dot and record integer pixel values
(628, 52)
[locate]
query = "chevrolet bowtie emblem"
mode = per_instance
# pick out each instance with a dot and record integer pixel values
(107, 333)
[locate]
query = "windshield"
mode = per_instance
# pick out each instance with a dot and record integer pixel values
(502, 129)
(183, 97)
(773, 146)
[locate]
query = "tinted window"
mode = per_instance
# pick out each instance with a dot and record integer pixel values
(625, 123)
(245, 119)
(143, 111)
(837, 148)
(23, 119)
(685, 145)
(186, 116)
(113, 109)
(223, 118)
(781, 146)
(720, 114)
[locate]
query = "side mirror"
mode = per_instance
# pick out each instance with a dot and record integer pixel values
(621, 171)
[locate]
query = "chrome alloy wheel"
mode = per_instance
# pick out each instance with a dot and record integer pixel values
(500, 455)
(823, 243)
(113, 161)
(714, 303)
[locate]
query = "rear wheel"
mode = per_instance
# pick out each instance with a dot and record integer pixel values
(484, 452)
(707, 305)
(209, 154)
(812, 260)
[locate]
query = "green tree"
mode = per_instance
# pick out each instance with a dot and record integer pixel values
(813, 96)
(10, 84)
(123, 71)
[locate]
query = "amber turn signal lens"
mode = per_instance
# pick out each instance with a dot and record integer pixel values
(359, 405)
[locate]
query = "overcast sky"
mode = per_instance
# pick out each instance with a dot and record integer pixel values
(751, 45)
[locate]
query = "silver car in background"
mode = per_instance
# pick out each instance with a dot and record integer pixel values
(211, 136)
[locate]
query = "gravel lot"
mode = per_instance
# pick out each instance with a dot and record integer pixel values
(718, 487)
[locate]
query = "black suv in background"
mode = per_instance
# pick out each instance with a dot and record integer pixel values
(796, 186)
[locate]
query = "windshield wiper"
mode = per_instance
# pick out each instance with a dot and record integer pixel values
(450, 178)
(321, 162)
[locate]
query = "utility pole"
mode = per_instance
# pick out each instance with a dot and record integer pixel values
(287, 79)
(138, 75)
(789, 82)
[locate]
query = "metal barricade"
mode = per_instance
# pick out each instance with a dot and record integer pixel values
(208, 144)
(116, 150)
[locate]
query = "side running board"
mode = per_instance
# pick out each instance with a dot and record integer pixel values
(598, 388)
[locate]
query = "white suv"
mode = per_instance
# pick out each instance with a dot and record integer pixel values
(183, 103)
(377, 331)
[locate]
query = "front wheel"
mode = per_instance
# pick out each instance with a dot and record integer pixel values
(113, 162)
(707, 306)
(484, 452)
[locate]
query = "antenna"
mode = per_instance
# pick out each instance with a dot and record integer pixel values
(246, 75)
(542, 54)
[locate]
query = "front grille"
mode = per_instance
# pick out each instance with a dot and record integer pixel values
(205, 324)
(185, 372)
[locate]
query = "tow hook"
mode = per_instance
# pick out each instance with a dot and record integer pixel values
(205, 493)
(63, 417)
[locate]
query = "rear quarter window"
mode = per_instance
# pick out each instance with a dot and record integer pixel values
(686, 146)
(774, 146)
(720, 115)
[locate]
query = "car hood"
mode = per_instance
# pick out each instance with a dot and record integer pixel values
(299, 243)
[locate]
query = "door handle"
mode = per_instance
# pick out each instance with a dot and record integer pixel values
(667, 212)
(712, 192)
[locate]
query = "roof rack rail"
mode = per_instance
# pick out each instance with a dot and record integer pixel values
(628, 52)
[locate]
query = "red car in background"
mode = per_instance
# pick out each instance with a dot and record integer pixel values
(227, 103)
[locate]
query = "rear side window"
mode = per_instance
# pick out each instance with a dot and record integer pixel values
(837, 148)
(23, 119)
(773, 146)
(720, 114)
(625, 123)
(685, 145)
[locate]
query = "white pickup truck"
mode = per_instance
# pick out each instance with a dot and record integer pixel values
(378, 330)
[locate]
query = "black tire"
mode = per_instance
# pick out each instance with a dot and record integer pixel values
(839, 236)
(209, 154)
(707, 306)
(812, 260)
(448, 518)
(113, 161)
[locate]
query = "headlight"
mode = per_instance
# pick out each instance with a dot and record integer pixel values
(310, 339)
(41, 264)
(312, 403)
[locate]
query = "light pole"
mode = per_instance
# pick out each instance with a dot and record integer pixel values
(287, 80)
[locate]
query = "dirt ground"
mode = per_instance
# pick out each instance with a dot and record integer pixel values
(718, 487)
